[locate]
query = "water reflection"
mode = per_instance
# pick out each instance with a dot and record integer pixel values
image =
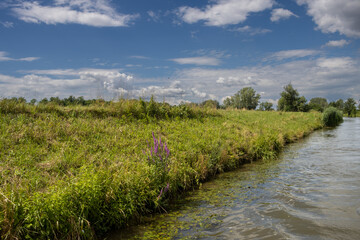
(311, 192)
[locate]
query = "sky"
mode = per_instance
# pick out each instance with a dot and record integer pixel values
(179, 50)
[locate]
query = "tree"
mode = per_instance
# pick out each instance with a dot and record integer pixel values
(301, 104)
(318, 104)
(290, 100)
(33, 101)
(245, 98)
(44, 101)
(210, 104)
(350, 107)
(340, 104)
(266, 106)
(227, 102)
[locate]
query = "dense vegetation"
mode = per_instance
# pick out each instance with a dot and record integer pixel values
(77, 171)
(332, 117)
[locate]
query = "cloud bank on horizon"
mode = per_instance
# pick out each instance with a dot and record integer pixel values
(177, 51)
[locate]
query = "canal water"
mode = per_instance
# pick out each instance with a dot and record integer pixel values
(311, 192)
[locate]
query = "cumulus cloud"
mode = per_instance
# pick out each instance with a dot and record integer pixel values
(210, 61)
(335, 16)
(161, 91)
(280, 13)
(89, 83)
(331, 78)
(113, 81)
(97, 13)
(337, 43)
(202, 95)
(296, 53)
(32, 85)
(236, 80)
(251, 31)
(223, 12)
(3, 58)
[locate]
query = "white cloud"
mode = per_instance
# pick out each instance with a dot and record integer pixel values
(331, 78)
(251, 31)
(280, 13)
(223, 12)
(210, 61)
(140, 57)
(297, 53)
(161, 91)
(335, 16)
(7, 24)
(337, 43)
(153, 16)
(113, 81)
(89, 83)
(3, 57)
(237, 80)
(97, 13)
(202, 95)
(335, 63)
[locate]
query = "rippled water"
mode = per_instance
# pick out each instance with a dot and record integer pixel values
(311, 192)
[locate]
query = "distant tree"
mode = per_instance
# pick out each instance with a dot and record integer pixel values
(21, 100)
(340, 104)
(71, 100)
(318, 104)
(80, 101)
(302, 106)
(210, 104)
(245, 98)
(227, 102)
(56, 100)
(266, 106)
(33, 101)
(290, 100)
(44, 101)
(350, 107)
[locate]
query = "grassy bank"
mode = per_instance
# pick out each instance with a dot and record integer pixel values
(69, 172)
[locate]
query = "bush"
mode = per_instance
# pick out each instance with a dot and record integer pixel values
(332, 117)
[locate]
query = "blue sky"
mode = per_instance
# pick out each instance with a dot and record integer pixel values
(179, 50)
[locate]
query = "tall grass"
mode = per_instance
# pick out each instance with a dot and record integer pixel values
(77, 172)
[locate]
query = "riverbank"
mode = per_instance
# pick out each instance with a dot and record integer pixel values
(81, 171)
(302, 194)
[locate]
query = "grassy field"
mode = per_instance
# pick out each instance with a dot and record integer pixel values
(77, 172)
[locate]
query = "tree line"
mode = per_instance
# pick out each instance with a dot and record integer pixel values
(290, 101)
(246, 98)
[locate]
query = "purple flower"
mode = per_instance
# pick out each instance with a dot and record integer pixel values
(167, 187)
(161, 192)
(164, 190)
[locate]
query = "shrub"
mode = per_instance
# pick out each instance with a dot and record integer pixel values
(332, 117)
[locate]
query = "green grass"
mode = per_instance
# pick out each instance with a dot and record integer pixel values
(78, 172)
